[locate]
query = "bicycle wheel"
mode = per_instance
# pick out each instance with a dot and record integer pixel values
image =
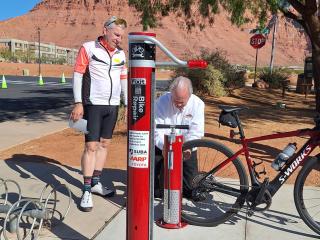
(307, 193)
(223, 191)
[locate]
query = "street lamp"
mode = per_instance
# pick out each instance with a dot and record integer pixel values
(39, 56)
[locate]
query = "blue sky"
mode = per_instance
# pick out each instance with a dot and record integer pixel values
(14, 8)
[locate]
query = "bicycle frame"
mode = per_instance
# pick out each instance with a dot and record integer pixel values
(291, 165)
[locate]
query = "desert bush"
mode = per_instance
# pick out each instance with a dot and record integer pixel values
(275, 78)
(251, 75)
(59, 61)
(208, 81)
(234, 74)
(7, 55)
(219, 77)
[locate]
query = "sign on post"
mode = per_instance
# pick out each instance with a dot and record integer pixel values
(257, 41)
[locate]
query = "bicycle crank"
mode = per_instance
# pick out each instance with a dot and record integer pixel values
(265, 199)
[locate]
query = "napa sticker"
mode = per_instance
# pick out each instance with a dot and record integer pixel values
(138, 149)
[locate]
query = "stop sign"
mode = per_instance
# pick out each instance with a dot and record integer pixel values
(257, 41)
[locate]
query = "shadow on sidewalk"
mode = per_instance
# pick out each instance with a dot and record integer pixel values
(44, 169)
(116, 179)
(273, 219)
(51, 171)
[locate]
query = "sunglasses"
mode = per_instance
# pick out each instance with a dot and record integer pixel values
(116, 21)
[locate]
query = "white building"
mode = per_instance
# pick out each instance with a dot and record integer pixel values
(49, 51)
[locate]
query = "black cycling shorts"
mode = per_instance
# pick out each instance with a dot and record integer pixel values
(101, 121)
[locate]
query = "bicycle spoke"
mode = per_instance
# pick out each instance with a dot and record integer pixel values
(306, 194)
(226, 189)
(218, 195)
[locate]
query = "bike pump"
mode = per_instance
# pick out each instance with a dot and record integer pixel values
(141, 90)
(172, 180)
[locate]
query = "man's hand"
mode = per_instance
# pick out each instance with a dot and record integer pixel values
(186, 154)
(77, 112)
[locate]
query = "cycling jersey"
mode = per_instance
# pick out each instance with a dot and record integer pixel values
(100, 74)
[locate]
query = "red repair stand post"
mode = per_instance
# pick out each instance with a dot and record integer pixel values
(172, 182)
(141, 90)
(140, 137)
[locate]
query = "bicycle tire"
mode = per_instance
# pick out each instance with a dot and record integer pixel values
(214, 210)
(307, 193)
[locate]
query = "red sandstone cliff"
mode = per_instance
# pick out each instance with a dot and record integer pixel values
(70, 22)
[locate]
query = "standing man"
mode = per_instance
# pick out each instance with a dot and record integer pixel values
(178, 107)
(100, 75)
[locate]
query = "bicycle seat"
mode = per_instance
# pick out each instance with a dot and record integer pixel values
(228, 108)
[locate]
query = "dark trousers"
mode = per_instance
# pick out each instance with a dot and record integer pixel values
(190, 169)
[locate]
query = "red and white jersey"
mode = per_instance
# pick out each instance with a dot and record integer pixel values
(102, 70)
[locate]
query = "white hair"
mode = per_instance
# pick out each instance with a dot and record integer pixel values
(181, 82)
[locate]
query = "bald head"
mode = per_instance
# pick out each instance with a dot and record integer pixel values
(181, 90)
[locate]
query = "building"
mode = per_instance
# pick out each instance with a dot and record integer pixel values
(48, 51)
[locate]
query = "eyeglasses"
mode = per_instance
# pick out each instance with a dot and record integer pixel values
(116, 21)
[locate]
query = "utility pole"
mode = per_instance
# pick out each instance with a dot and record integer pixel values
(39, 52)
(273, 41)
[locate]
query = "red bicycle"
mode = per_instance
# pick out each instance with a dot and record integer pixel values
(221, 186)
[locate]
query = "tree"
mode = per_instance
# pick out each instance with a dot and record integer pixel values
(304, 12)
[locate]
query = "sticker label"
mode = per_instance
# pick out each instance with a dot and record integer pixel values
(138, 149)
(138, 101)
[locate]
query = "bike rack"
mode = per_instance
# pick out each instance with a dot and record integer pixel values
(38, 210)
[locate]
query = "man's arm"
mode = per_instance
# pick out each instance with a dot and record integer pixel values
(82, 62)
(196, 130)
(124, 84)
(160, 119)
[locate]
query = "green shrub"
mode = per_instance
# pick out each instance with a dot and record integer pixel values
(208, 81)
(219, 76)
(251, 75)
(234, 74)
(275, 78)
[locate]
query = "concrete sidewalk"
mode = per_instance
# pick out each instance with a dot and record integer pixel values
(281, 221)
(32, 173)
(108, 218)
(33, 126)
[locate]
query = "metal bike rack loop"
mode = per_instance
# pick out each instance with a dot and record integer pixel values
(37, 210)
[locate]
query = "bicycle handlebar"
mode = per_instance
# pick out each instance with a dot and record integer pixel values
(172, 126)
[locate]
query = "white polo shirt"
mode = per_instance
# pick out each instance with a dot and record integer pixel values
(192, 115)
